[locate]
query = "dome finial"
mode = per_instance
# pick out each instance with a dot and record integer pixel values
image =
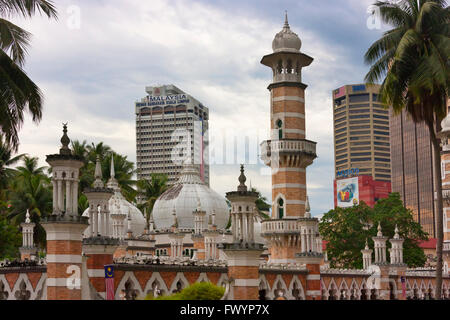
(396, 235)
(286, 23)
(98, 183)
(242, 179)
(379, 234)
(27, 216)
(65, 142)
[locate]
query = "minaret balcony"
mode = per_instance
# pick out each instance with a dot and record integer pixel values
(446, 247)
(280, 227)
(301, 152)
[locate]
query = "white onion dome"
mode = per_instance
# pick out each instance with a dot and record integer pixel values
(445, 124)
(286, 40)
(119, 207)
(183, 198)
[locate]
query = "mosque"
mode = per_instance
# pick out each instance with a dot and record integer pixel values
(194, 236)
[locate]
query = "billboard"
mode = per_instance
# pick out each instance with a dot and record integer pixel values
(347, 192)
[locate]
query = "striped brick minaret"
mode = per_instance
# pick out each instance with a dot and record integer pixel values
(288, 153)
(64, 228)
(445, 172)
(243, 254)
(99, 246)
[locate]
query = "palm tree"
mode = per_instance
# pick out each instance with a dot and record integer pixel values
(412, 59)
(30, 190)
(6, 160)
(261, 204)
(17, 91)
(151, 190)
(99, 149)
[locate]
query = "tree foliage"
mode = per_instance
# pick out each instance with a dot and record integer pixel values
(10, 239)
(347, 229)
(412, 60)
(18, 93)
(196, 291)
(151, 190)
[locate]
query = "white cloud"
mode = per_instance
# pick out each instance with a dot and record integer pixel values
(91, 77)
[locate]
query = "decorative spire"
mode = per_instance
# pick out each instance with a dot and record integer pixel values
(175, 220)
(213, 217)
(396, 235)
(65, 150)
(112, 167)
(129, 222)
(242, 179)
(307, 208)
(98, 183)
(379, 234)
(27, 216)
(199, 205)
(367, 246)
(286, 23)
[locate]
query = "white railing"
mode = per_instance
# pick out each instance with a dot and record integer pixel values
(270, 146)
(280, 226)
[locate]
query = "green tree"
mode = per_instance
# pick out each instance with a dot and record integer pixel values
(412, 59)
(30, 190)
(151, 190)
(261, 204)
(123, 169)
(347, 229)
(7, 159)
(196, 291)
(18, 93)
(10, 239)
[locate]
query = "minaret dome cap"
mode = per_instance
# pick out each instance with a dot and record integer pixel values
(286, 40)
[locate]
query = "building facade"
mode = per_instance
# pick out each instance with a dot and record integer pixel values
(361, 132)
(350, 191)
(412, 168)
(171, 129)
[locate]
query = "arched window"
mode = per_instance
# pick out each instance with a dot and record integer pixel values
(280, 128)
(280, 208)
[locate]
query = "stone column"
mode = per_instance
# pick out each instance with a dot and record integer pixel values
(243, 267)
(55, 195)
(64, 260)
(60, 195)
(68, 198)
(100, 253)
(75, 197)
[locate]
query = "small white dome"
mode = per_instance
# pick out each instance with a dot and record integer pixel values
(119, 206)
(184, 196)
(286, 40)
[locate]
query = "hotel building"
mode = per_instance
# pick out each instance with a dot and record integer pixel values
(171, 127)
(361, 143)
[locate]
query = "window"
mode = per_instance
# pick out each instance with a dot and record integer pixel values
(359, 97)
(280, 130)
(280, 208)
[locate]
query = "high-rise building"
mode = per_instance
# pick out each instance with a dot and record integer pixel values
(412, 168)
(171, 128)
(361, 145)
(361, 132)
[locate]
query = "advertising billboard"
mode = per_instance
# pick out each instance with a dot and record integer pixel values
(347, 192)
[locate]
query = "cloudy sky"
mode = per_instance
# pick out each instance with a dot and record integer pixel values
(95, 61)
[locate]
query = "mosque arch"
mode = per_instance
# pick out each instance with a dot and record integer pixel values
(354, 290)
(264, 289)
(296, 289)
(128, 286)
(5, 291)
(156, 282)
(202, 277)
(343, 290)
(279, 289)
(179, 283)
(392, 289)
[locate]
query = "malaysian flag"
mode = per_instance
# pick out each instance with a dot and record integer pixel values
(403, 280)
(109, 282)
